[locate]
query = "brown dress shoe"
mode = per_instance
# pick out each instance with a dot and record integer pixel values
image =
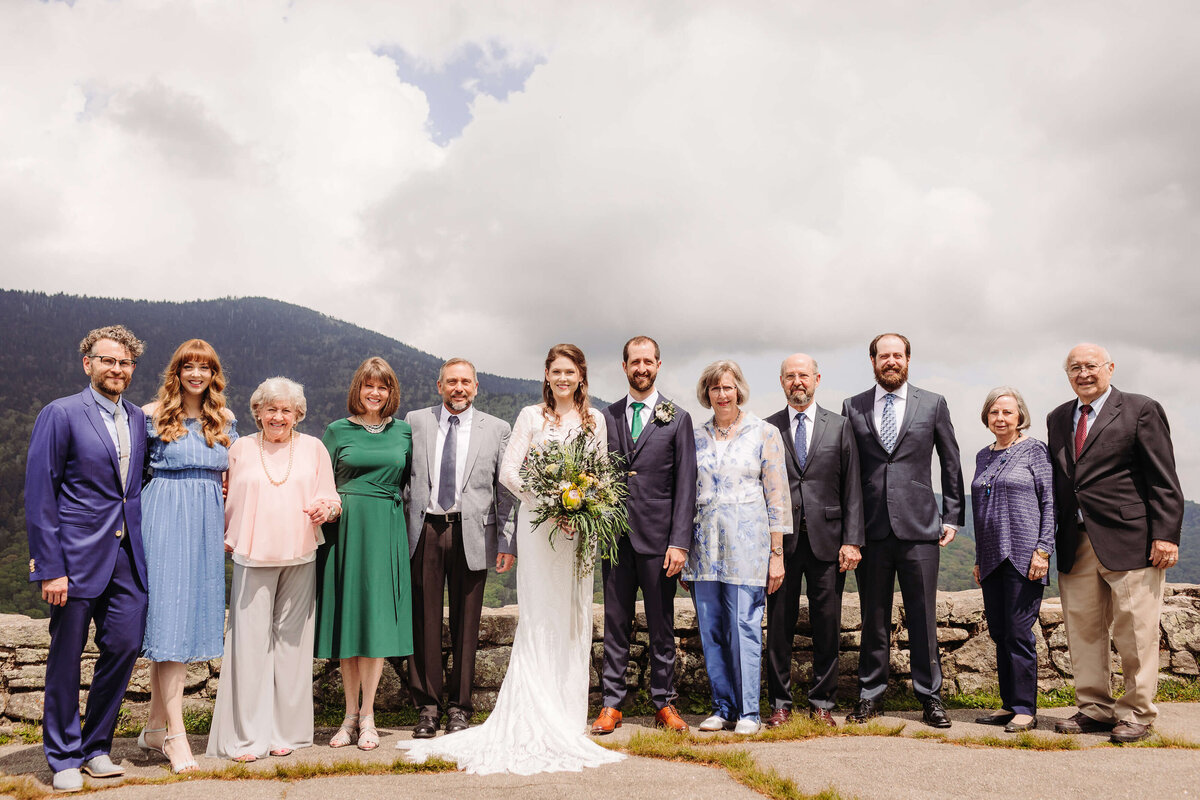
(1129, 732)
(822, 715)
(778, 717)
(1082, 723)
(667, 717)
(608, 721)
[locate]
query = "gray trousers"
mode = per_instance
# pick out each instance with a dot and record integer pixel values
(264, 698)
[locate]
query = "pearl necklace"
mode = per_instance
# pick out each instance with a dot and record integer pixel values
(262, 456)
(369, 428)
(724, 432)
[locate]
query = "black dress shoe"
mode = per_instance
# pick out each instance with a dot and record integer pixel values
(457, 721)
(935, 715)
(863, 710)
(1018, 727)
(426, 727)
(995, 719)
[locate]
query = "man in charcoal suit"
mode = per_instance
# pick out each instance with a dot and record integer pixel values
(656, 440)
(897, 428)
(827, 518)
(459, 522)
(1120, 513)
(83, 517)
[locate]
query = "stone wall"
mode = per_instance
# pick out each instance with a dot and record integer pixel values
(968, 656)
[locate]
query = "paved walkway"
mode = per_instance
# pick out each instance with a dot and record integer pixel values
(855, 766)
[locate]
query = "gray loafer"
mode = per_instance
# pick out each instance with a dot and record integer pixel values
(101, 766)
(68, 780)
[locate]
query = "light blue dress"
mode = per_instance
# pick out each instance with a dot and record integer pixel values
(183, 529)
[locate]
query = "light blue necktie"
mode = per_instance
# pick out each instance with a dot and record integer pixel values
(887, 425)
(801, 443)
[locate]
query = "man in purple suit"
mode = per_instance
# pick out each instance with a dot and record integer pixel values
(83, 485)
(656, 440)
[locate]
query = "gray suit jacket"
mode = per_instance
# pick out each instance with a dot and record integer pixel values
(897, 487)
(488, 521)
(827, 493)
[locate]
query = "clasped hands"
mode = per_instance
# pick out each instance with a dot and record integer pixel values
(323, 511)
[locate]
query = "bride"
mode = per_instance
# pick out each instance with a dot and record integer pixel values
(540, 718)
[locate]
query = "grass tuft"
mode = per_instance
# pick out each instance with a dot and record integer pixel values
(1025, 740)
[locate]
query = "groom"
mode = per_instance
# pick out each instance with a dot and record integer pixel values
(655, 439)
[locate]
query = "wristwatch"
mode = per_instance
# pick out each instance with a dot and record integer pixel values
(777, 551)
(1042, 553)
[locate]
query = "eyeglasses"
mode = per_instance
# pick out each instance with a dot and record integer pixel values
(109, 362)
(1080, 369)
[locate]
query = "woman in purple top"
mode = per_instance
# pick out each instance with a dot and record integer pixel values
(1012, 496)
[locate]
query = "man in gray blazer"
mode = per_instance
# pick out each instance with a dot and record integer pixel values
(459, 522)
(897, 427)
(827, 519)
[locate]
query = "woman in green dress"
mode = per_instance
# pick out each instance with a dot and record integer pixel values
(364, 597)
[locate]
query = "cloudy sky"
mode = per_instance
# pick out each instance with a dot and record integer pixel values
(997, 180)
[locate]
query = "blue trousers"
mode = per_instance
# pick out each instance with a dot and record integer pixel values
(1011, 603)
(120, 616)
(730, 620)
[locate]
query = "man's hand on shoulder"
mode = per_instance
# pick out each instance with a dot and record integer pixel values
(54, 591)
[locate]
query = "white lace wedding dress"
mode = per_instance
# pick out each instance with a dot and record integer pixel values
(540, 718)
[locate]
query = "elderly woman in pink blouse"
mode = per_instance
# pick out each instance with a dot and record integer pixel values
(281, 490)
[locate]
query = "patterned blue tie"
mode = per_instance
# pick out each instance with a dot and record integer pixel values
(887, 425)
(801, 443)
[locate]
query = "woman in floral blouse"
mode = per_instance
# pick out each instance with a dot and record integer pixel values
(736, 559)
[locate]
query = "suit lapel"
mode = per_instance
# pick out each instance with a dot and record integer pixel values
(910, 411)
(1108, 412)
(866, 407)
(647, 431)
(818, 431)
(783, 422)
(623, 436)
(478, 428)
(431, 434)
(94, 412)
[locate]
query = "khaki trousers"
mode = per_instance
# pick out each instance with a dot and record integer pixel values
(1096, 600)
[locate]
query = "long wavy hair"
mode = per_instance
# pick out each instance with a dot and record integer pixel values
(169, 416)
(575, 355)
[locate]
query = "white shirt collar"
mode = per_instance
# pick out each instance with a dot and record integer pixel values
(464, 416)
(650, 402)
(810, 413)
(901, 392)
(1096, 404)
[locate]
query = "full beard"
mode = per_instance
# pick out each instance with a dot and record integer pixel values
(459, 405)
(799, 398)
(640, 382)
(891, 379)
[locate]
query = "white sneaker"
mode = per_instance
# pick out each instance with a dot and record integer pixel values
(101, 766)
(714, 723)
(68, 780)
(746, 727)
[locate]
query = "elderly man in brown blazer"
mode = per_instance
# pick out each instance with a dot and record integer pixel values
(1120, 512)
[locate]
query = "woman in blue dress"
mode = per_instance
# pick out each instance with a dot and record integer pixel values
(189, 430)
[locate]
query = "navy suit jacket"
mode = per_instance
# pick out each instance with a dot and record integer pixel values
(661, 476)
(827, 493)
(74, 504)
(1124, 481)
(897, 487)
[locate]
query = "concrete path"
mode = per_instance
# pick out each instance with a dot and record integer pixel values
(855, 766)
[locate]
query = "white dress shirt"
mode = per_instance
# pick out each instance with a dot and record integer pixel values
(898, 402)
(651, 401)
(460, 457)
(810, 414)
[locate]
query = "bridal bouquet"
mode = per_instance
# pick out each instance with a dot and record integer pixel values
(581, 485)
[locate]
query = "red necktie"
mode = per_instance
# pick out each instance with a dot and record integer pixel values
(1081, 429)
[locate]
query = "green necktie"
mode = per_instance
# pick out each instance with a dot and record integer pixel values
(637, 420)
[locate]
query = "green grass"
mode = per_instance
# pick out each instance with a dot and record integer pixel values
(24, 732)
(1022, 741)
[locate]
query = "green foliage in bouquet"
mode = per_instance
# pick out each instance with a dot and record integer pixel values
(579, 483)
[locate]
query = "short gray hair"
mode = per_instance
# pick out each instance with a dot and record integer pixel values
(454, 362)
(278, 388)
(1006, 391)
(1103, 352)
(713, 372)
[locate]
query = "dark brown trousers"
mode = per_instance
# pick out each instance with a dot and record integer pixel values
(439, 564)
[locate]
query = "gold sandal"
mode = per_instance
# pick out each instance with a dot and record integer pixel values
(347, 733)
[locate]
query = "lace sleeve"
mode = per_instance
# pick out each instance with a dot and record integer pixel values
(775, 482)
(514, 455)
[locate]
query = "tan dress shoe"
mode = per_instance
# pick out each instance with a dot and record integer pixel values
(667, 717)
(608, 721)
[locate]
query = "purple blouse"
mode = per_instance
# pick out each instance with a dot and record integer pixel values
(1012, 499)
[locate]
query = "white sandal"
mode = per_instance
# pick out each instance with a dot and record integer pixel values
(347, 733)
(368, 737)
(143, 745)
(186, 766)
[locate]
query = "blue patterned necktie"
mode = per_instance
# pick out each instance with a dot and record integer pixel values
(887, 424)
(447, 478)
(801, 439)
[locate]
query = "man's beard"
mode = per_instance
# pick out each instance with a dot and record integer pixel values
(892, 380)
(458, 405)
(641, 382)
(799, 397)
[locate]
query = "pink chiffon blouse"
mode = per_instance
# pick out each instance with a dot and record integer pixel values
(265, 525)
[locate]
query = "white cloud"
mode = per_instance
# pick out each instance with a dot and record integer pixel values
(997, 181)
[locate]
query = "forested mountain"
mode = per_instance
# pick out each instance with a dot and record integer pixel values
(255, 337)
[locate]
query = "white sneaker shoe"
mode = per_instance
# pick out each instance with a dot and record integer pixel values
(101, 766)
(68, 780)
(747, 727)
(714, 723)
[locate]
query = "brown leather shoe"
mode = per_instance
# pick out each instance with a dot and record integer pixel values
(667, 717)
(822, 715)
(1082, 723)
(1129, 732)
(778, 717)
(608, 721)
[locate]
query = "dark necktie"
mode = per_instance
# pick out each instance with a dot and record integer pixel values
(887, 423)
(801, 443)
(636, 430)
(446, 480)
(1081, 429)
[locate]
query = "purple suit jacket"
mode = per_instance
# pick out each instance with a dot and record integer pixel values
(75, 511)
(661, 476)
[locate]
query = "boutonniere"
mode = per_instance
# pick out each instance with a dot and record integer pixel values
(664, 412)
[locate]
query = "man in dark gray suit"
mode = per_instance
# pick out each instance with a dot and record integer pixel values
(459, 522)
(898, 427)
(827, 517)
